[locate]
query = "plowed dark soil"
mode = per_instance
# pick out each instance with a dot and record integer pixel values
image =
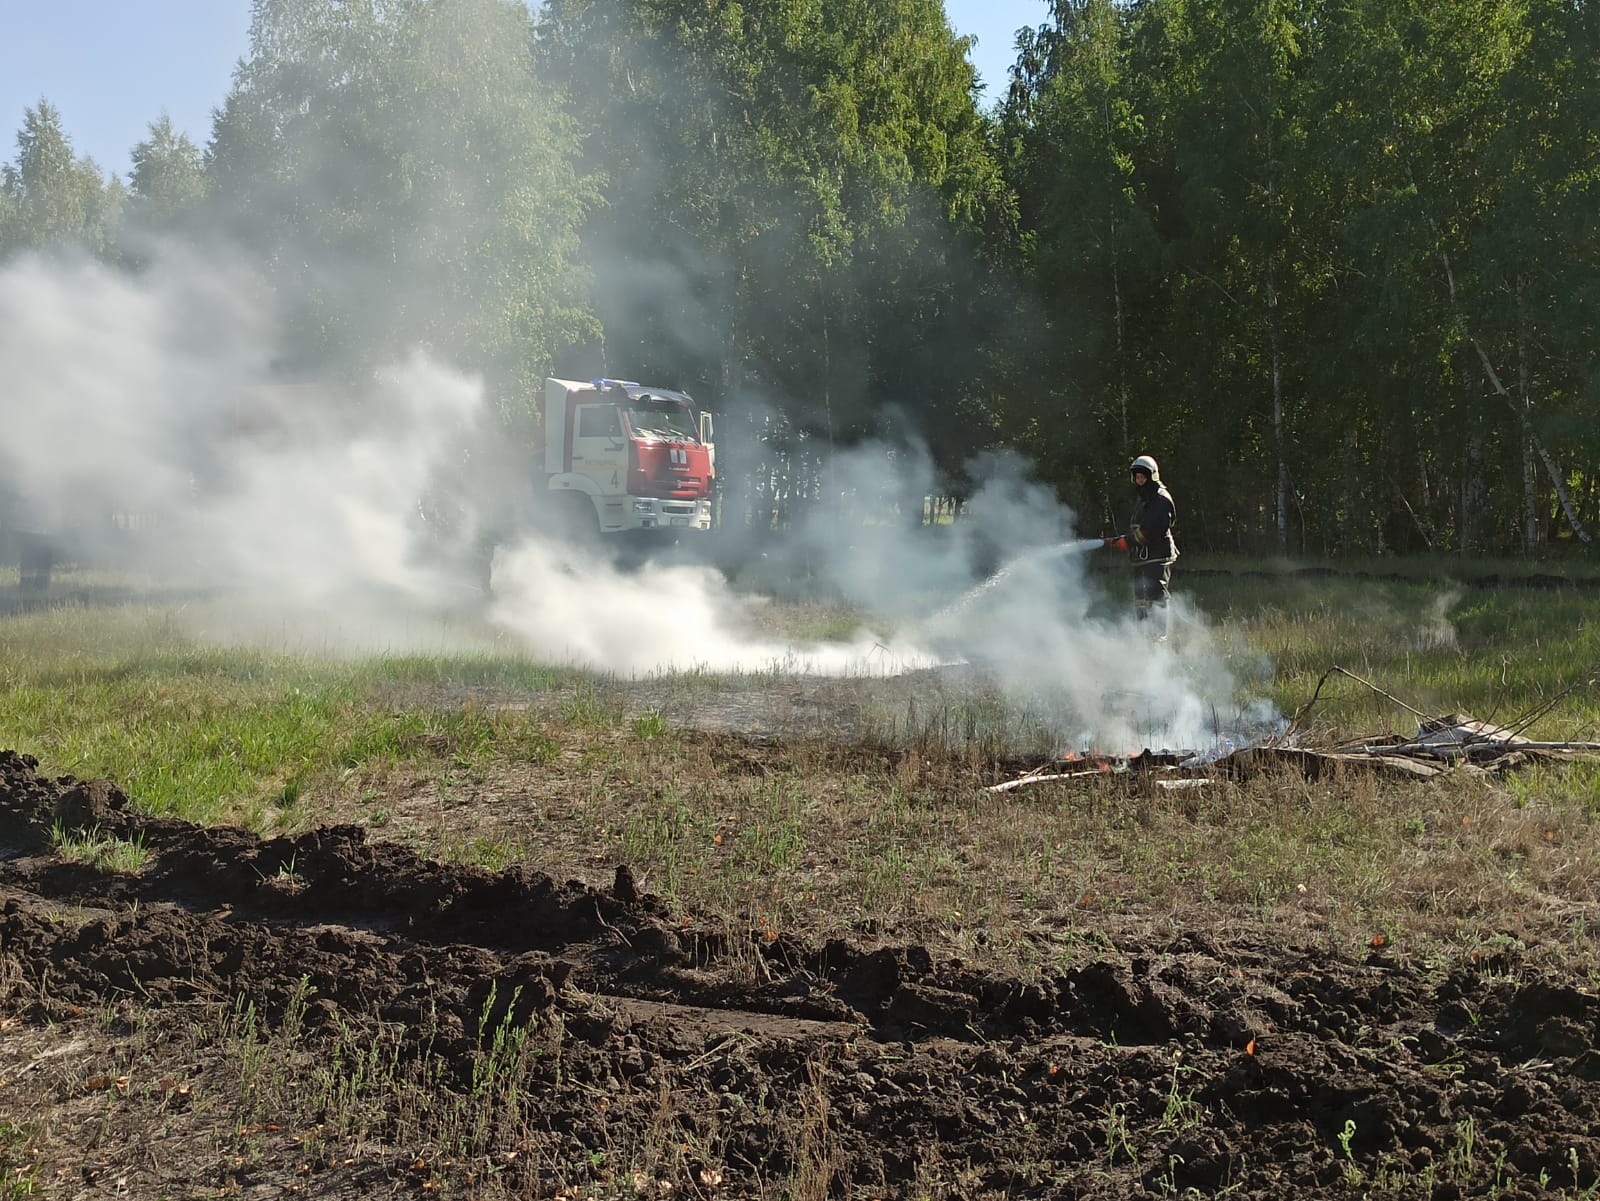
(671, 1056)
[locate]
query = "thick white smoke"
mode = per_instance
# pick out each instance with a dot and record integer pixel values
(154, 395)
(149, 402)
(112, 380)
(574, 607)
(1009, 593)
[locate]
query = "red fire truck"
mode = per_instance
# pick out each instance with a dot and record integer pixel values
(622, 456)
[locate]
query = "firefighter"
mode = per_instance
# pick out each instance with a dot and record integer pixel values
(1151, 547)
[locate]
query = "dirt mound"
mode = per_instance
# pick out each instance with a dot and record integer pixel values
(431, 1026)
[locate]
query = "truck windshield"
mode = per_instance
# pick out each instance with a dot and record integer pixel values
(664, 419)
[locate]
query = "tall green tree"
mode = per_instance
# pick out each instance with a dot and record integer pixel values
(410, 181)
(51, 197)
(168, 181)
(1440, 121)
(1537, 251)
(1075, 135)
(1228, 110)
(799, 200)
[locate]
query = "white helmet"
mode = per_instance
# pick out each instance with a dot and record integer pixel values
(1147, 465)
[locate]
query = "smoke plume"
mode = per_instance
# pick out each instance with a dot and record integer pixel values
(323, 512)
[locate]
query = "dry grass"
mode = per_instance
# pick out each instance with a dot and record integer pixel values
(860, 805)
(811, 836)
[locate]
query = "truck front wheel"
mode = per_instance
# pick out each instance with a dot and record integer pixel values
(572, 518)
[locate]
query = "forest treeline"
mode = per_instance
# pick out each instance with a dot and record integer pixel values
(1337, 265)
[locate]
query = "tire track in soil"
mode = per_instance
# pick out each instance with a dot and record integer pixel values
(1274, 1070)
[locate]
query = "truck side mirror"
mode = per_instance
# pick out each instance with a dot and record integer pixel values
(707, 429)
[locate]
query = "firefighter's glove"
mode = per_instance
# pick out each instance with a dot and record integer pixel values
(1138, 535)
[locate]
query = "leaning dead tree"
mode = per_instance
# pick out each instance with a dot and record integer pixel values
(1518, 411)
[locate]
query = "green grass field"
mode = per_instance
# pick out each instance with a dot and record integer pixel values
(496, 759)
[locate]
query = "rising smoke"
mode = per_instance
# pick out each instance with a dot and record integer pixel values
(145, 426)
(147, 417)
(154, 396)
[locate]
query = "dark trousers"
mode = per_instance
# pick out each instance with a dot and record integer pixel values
(36, 555)
(1150, 582)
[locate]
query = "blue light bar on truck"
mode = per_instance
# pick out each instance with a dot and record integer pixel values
(613, 383)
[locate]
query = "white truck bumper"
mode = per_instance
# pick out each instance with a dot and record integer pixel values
(648, 513)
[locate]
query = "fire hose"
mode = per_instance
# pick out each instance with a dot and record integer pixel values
(1084, 545)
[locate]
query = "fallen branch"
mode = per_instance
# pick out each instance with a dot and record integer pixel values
(1586, 679)
(1036, 778)
(1417, 713)
(1304, 709)
(1294, 722)
(1474, 749)
(1131, 767)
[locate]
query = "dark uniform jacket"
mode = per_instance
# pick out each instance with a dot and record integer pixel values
(1154, 515)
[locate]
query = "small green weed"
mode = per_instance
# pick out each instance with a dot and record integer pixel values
(1182, 1112)
(588, 710)
(1460, 1159)
(101, 850)
(1118, 1137)
(19, 1175)
(1353, 1174)
(650, 725)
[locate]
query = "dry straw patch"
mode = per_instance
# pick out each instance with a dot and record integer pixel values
(809, 835)
(860, 805)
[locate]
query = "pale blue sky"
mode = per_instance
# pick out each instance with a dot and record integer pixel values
(113, 66)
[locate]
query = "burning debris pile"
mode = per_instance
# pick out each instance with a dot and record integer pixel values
(1453, 743)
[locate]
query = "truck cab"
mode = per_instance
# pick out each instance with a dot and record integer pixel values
(642, 457)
